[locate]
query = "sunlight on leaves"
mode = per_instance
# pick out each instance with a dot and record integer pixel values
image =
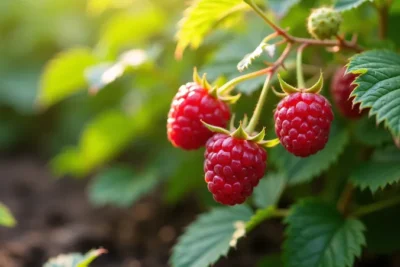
(64, 75)
(202, 17)
(6, 218)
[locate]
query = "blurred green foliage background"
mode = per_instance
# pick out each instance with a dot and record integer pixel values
(89, 84)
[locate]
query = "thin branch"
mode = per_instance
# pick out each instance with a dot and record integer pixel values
(273, 213)
(376, 206)
(275, 27)
(345, 199)
(299, 67)
(383, 21)
(270, 72)
(341, 43)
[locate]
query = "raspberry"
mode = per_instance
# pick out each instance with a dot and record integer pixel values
(341, 88)
(324, 23)
(233, 167)
(302, 123)
(190, 105)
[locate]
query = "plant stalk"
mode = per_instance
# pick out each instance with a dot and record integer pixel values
(376, 206)
(271, 71)
(383, 21)
(274, 213)
(299, 67)
(345, 199)
(229, 85)
(260, 103)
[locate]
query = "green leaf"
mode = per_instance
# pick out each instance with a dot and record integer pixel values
(202, 17)
(368, 133)
(187, 176)
(343, 5)
(387, 154)
(18, 88)
(64, 75)
(281, 7)
(300, 170)
(6, 218)
(319, 236)
(210, 236)
(108, 134)
(269, 190)
(121, 186)
(97, 7)
(122, 32)
(103, 138)
(379, 86)
(101, 75)
(75, 259)
(376, 175)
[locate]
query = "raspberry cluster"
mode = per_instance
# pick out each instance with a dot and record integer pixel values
(191, 105)
(233, 167)
(235, 160)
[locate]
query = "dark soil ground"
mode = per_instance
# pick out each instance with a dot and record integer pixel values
(55, 217)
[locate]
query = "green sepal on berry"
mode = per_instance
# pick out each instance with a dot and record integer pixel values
(242, 134)
(213, 90)
(324, 23)
(289, 89)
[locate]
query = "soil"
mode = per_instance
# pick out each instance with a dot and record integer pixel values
(54, 217)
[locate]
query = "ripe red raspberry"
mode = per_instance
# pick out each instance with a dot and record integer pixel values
(233, 167)
(302, 123)
(341, 88)
(190, 105)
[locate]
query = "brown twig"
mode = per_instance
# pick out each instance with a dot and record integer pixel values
(339, 42)
(383, 21)
(345, 199)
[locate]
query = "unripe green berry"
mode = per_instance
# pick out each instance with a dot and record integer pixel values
(324, 23)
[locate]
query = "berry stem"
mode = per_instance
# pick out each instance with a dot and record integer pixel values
(264, 92)
(376, 206)
(261, 100)
(383, 20)
(351, 45)
(270, 212)
(299, 67)
(229, 85)
(275, 27)
(345, 198)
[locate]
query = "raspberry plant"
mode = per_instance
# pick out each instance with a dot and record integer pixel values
(326, 177)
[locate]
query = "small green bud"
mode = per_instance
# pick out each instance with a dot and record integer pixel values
(324, 23)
